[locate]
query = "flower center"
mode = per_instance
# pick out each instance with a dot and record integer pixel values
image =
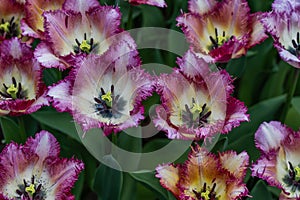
(196, 115)
(85, 46)
(30, 190)
(14, 91)
(108, 104)
(292, 180)
(207, 193)
(296, 45)
(217, 40)
(9, 29)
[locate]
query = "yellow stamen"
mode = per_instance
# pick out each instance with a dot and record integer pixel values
(5, 27)
(107, 97)
(84, 46)
(196, 108)
(297, 173)
(12, 90)
(30, 189)
(205, 195)
(221, 40)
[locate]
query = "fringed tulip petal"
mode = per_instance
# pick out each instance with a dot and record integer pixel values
(22, 90)
(71, 34)
(35, 171)
(169, 177)
(205, 176)
(158, 3)
(33, 22)
(283, 25)
(279, 163)
(221, 30)
(196, 101)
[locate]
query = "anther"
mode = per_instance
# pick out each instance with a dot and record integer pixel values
(102, 91)
(14, 81)
(216, 32)
(295, 45)
(77, 42)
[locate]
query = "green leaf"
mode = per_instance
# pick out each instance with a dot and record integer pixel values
(260, 5)
(236, 67)
(11, 130)
(30, 125)
(257, 70)
(293, 116)
(155, 144)
(220, 145)
(260, 192)
(59, 121)
(152, 16)
(108, 182)
(130, 191)
(130, 140)
(274, 85)
(152, 182)
(51, 76)
(296, 104)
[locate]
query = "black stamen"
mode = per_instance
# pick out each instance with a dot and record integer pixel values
(85, 36)
(12, 19)
(4, 95)
(213, 188)
(32, 179)
(77, 42)
(97, 100)
(298, 38)
(19, 192)
(206, 115)
(112, 88)
(19, 90)
(38, 188)
(14, 81)
(5, 86)
(223, 33)
(102, 91)
(203, 107)
(216, 32)
(25, 184)
(204, 187)
(213, 41)
(291, 171)
(92, 42)
(294, 44)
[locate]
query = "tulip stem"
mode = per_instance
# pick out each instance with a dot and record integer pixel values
(114, 139)
(290, 95)
(23, 135)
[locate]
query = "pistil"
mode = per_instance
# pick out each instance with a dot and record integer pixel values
(86, 46)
